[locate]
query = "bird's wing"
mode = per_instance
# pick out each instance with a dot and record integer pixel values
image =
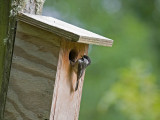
(80, 70)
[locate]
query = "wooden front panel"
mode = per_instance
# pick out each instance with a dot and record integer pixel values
(33, 73)
(66, 101)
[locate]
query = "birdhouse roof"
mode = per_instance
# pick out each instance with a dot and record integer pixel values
(64, 29)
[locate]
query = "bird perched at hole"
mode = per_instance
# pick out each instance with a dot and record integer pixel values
(79, 67)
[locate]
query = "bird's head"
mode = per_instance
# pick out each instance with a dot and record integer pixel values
(86, 58)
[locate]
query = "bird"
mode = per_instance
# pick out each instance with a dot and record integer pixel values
(79, 67)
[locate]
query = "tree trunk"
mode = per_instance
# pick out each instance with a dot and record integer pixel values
(8, 10)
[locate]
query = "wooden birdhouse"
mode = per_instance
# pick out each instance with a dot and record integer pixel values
(42, 81)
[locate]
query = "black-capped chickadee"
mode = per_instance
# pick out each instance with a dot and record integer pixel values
(80, 66)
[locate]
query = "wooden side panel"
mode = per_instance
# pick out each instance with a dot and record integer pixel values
(8, 11)
(33, 73)
(66, 101)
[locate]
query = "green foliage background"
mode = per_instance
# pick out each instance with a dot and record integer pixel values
(123, 81)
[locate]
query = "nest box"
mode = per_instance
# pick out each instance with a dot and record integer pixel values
(42, 80)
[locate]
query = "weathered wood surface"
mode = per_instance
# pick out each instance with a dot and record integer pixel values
(33, 73)
(66, 101)
(6, 43)
(66, 30)
(8, 10)
(4, 10)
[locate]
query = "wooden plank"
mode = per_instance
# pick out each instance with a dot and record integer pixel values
(66, 30)
(66, 101)
(6, 43)
(4, 19)
(8, 10)
(33, 73)
(39, 33)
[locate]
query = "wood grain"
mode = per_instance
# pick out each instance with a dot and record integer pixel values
(66, 101)
(8, 10)
(33, 73)
(7, 35)
(65, 30)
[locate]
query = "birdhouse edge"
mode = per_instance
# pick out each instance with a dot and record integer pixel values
(63, 29)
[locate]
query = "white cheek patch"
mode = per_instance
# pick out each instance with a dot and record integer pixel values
(86, 61)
